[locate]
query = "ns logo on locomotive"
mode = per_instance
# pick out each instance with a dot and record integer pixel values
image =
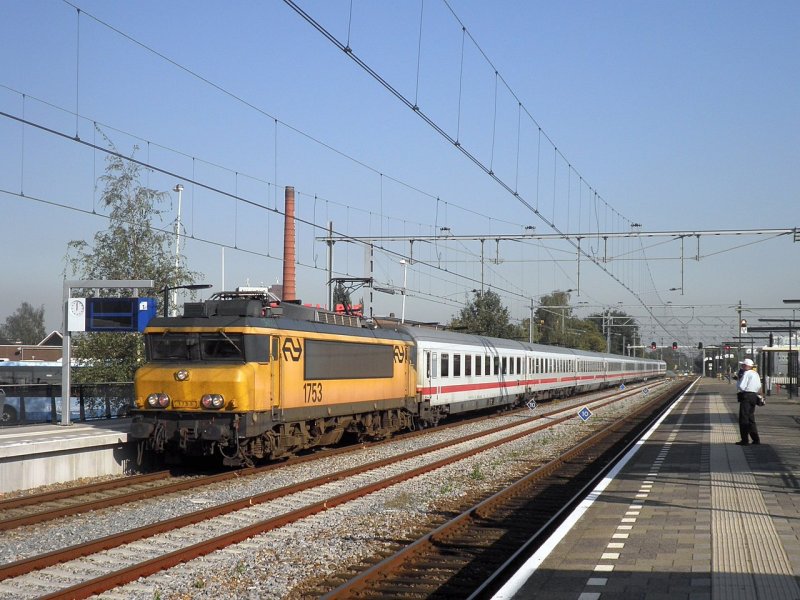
(247, 378)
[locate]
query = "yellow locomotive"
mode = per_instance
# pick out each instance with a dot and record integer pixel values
(250, 379)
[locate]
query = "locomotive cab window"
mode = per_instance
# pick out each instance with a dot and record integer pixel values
(221, 346)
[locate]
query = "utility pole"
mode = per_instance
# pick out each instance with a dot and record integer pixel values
(178, 188)
(530, 325)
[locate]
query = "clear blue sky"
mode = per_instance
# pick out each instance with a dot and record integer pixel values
(680, 116)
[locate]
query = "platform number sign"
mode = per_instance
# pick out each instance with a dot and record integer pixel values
(584, 414)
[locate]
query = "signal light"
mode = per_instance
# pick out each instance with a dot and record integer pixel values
(700, 346)
(674, 345)
(652, 345)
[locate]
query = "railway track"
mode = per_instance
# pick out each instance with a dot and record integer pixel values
(471, 555)
(40, 508)
(48, 506)
(140, 552)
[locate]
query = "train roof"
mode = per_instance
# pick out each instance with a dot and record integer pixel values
(426, 334)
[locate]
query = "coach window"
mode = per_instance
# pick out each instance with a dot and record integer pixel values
(468, 365)
(456, 365)
(505, 365)
(496, 367)
(478, 365)
(519, 365)
(445, 367)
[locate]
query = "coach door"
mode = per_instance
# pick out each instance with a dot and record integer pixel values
(431, 385)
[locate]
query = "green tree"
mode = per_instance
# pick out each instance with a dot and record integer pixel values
(619, 328)
(486, 315)
(582, 334)
(551, 319)
(26, 325)
(133, 247)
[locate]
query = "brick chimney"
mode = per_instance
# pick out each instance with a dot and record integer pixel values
(289, 288)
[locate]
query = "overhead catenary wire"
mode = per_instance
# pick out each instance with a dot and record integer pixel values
(216, 190)
(348, 49)
(274, 186)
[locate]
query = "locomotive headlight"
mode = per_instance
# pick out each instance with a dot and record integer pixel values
(182, 375)
(215, 401)
(160, 400)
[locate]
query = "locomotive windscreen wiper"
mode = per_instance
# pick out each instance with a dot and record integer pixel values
(232, 343)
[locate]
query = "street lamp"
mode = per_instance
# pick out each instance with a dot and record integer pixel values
(192, 286)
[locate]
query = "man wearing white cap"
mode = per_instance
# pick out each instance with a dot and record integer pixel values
(749, 386)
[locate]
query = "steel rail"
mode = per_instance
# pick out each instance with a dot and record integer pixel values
(48, 514)
(477, 516)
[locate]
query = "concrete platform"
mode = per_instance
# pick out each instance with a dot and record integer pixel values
(691, 514)
(36, 455)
